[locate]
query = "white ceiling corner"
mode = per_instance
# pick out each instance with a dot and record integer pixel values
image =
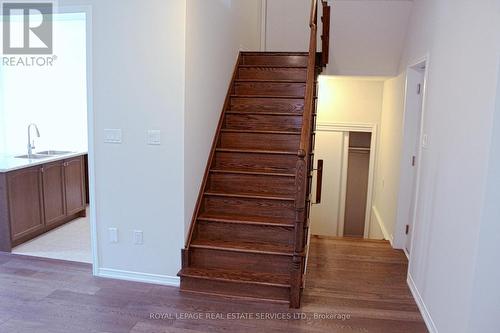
(368, 36)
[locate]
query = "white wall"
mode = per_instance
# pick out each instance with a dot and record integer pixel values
(55, 98)
(350, 99)
(325, 217)
(143, 53)
(287, 25)
(486, 293)
(212, 50)
(342, 100)
(463, 41)
(367, 36)
(138, 55)
(2, 118)
(386, 188)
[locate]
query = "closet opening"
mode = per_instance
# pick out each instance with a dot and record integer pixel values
(348, 152)
(358, 167)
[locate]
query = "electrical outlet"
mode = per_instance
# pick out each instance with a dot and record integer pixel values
(138, 237)
(112, 135)
(113, 235)
(154, 137)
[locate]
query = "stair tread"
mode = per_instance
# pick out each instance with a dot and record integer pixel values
(257, 220)
(271, 81)
(262, 278)
(274, 53)
(265, 113)
(273, 66)
(250, 195)
(250, 247)
(229, 130)
(267, 96)
(256, 173)
(256, 151)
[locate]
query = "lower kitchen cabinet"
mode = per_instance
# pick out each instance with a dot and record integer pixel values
(36, 199)
(54, 197)
(25, 203)
(74, 180)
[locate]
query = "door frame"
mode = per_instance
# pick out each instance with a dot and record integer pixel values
(263, 25)
(354, 127)
(87, 9)
(400, 236)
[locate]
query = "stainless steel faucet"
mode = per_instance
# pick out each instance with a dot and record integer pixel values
(31, 144)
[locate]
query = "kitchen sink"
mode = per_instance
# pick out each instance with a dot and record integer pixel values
(53, 152)
(45, 154)
(33, 157)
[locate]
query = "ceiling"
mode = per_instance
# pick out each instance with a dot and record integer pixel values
(368, 36)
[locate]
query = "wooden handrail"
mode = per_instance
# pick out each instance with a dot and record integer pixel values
(325, 36)
(314, 13)
(311, 77)
(304, 166)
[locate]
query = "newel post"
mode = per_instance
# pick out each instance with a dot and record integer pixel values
(300, 205)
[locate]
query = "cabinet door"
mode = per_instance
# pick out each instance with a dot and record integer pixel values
(75, 185)
(53, 192)
(25, 203)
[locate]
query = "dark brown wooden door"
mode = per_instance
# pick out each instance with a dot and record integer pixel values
(25, 202)
(54, 193)
(75, 186)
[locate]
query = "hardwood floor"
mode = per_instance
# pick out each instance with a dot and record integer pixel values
(364, 281)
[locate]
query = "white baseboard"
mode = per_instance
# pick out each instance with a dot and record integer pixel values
(164, 280)
(421, 306)
(386, 234)
(406, 253)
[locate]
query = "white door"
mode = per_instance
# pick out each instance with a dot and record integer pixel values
(325, 217)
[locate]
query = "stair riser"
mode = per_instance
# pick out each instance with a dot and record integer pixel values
(274, 60)
(249, 207)
(272, 73)
(256, 162)
(267, 104)
(272, 142)
(263, 122)
(251, 262)
(244, 233)
(237, 183)
(242, 242)
(234, 289)
(270, 89)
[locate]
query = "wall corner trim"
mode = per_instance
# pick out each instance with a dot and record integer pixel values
(380, 222)
(263, 25)
(421, 306)
(164, 280)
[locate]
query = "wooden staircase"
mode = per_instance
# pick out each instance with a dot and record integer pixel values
(248, 237)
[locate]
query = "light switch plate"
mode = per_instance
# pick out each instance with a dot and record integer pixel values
(138, 237)
(113, 235)
(154, 137)
(112, 135)
(425, 141)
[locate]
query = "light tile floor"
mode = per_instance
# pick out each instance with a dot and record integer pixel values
(68, 242)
